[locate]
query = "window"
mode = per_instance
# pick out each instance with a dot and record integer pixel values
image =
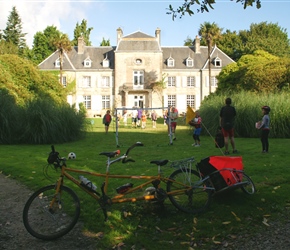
(105, 102)
(105, 81)
(88, 63)
(213, 81)
(190, 100)
(171, 81)
(138, 78)
(218, 62)
(86, 82)
(87, 101)
(190, 81)
(63, 81)
(171, 100)
(106, 63)
(138, 61)
(57, 63)
(189, 62)
(170, 62)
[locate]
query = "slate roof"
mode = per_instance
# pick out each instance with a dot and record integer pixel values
(135, 42)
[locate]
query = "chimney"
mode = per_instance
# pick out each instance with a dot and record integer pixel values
(157, 35)
(81, 45)
(119, 34)
(197, 45)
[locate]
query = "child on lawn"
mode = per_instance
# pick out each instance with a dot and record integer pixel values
(197, 129)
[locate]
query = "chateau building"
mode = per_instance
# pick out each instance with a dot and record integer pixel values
(138, 72)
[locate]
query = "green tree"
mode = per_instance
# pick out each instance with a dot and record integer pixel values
(43, 43)
(63, 44)
(8, 48)
(105, 42)
(204, 6)
(188, 41)
(82, 30)
(210, 33)
(258, 72)
(265, 36)
(231, 44)
(13, 31)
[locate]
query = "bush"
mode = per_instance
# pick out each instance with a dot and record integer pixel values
(248, 106)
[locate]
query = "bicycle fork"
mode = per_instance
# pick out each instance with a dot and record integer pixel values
(104, 201)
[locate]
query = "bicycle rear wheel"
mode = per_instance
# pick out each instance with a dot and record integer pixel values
(194, 198)
(248, 188)
(47, 223)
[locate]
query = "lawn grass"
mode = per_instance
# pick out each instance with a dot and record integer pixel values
(141, 225)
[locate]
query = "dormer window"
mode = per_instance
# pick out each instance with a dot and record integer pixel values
(106, 62)
(170, 62)
(217, 62)
(138, 61)
(57, 63)
(189, 62)
(88, 63)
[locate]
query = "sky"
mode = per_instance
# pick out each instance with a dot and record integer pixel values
(106, 16)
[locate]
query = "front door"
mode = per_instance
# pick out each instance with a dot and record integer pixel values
(139, 101)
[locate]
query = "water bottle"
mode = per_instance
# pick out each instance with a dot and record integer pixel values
(122, 189)
(87, 183)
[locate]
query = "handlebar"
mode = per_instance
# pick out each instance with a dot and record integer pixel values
(137, 144)
(53, 157)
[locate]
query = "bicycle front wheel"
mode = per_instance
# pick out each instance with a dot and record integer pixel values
(190, 193)
(48, 222)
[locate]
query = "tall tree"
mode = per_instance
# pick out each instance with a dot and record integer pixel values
(265, 36)
(84, 31)
(105, 42)
(256, 72)
(63, 44)
(43, 43)
(13, 32)
(231, 44)
(188, 41)
(210, 33)
(204, 6)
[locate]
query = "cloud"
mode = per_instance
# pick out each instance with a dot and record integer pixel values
(37, 15)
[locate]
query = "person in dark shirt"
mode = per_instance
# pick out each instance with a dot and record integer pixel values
(264, 126)
(227, 119)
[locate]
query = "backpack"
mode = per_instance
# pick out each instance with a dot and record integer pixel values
(219, 140)
(108, 118)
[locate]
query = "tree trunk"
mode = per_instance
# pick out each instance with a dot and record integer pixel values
(209, 64)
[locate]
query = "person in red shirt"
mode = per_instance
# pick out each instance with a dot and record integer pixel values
(107, 120)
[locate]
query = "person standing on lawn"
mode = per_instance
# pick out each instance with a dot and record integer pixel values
(154, 118)
(227, 119)
(173, 116)
(264, 126)
(107, 120)
(197, 129)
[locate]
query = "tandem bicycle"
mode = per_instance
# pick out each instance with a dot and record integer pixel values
(53, 210)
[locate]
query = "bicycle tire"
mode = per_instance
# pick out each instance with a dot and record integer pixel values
(195, 200)
(250, 187)
(46, 224)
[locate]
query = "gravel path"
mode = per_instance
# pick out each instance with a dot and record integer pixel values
(13, 235)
